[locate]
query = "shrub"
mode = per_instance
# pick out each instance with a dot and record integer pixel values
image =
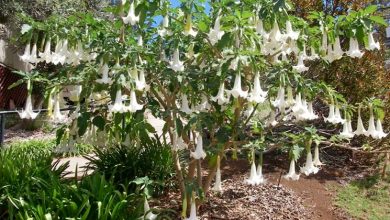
(126, 163)
(30, 187)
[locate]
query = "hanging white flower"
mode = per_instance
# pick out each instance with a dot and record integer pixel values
(27, 112)
(185, 105)
(337, 51)
(220, 97)
(379, 130)
(272, 119)
(118, 105)
(298, 108)
(215, 33)
(259, 173)
(147, 213)
(134, 106)
(75, 93)
(188, 27)
(33, 55)
(253, 179)
(260, 29)
(46, 55)
(257, 95)
(237, 90)
(193, 210)
(309, 167)
(293, 35)
(57, 117)
(280, 101)
(27, 54)
(292, 175)
(300, 67)
(199, 153)
(316, 160)
(204, 104)
(337, 116)
(105, 77)
(354, 50)
(131, 17)
(360, 130)
(218, 183)
(312, 114)
(164, 30)
(372, 45)
(346, 133)
(330, 118)
(275, 34)
(140, 41)
(313, 54)
(290, 98)
(58, 56)
(175, 64)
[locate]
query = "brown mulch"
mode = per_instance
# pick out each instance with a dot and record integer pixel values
(15, 135)
(242, 201)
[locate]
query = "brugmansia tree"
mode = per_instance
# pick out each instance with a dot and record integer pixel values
(224, 77)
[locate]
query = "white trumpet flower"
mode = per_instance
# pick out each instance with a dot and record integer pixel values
(193, 211)
(184, 104)
(141, 84)
(292, 175)
(218, 184)
(260, 29)
(379, 130)
(337, 51)
(313, 54)
(188, 27)
(346, 133)
(300, 67)
(140, 41)
(279, 101)
(249, 110)
(337, 116)
(237, 90)
(118, 106)
(175, 64)
(272, 119)
(360, 130)
(131, 17)
(27, 54)
(354, 50)
(57, 117)
(259, 173)
(134, 106)
(316, 160)
(33, 55)
(298, 108)
(147, 213)
(311, 115)
(75, 93)
(215, 33)
(46, 55)
(27, 112)
(257, 95)
(330, 117)
(275, 34)
(164, 30)
(204, 104)
(290, 33)
(290, 98)
(199, 153)
(253, 179)
(372, 45)
(220, 97)
(105, 78)
(309, 167)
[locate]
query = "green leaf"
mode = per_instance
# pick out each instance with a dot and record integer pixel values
(82, 123)
(370, 9)
(202, 26)
(379, 20)
(99, 122)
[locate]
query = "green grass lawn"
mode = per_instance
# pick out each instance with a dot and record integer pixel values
(366, 199)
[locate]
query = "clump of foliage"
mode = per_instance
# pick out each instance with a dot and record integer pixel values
(33, 187)
(126, 162)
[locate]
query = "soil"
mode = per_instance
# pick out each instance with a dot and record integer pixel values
(310, 197)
